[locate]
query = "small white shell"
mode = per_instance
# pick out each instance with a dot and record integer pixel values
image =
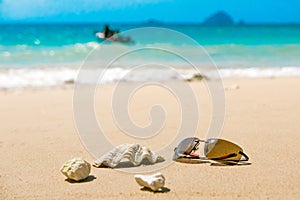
(133, 152)
(76, 169)
(155, 182)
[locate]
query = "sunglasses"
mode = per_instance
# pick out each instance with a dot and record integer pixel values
(214, 149)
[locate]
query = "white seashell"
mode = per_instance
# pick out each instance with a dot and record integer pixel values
(133, 152)
(76, 169)
(155, 182)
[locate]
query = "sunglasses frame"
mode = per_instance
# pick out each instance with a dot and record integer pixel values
(224, 158)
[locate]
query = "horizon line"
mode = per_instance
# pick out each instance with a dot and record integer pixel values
(149, 22)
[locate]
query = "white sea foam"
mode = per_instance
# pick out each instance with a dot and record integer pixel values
(22, 78)
(260, 72)
(41, 77)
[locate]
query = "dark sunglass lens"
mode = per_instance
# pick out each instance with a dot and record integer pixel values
(219, 149)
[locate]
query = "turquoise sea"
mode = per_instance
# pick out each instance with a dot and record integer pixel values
(43, 55)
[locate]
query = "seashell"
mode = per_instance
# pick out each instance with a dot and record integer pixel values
(133, 152)
(76, 169)
(154, 182)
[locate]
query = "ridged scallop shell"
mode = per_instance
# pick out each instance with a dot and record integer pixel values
(154, 182)
(133, 152)
(76, 169)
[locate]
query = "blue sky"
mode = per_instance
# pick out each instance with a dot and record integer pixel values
(254, 11)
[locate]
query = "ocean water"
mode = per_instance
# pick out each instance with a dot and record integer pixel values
(43, 55)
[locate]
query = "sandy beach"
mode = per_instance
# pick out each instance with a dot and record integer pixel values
(38, 134)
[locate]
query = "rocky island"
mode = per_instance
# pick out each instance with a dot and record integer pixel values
(219, 18)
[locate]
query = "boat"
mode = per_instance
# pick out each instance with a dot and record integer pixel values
(115, 38)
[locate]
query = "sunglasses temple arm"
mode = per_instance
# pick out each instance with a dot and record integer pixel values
(225, 157)
(246, 158)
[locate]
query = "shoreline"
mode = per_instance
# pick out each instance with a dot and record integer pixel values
(38, 135)
(63, 77)
(69, 85)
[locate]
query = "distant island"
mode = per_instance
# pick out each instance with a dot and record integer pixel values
(153, 21)
(219, 18)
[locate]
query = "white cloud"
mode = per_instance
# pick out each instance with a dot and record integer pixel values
(22, 9)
